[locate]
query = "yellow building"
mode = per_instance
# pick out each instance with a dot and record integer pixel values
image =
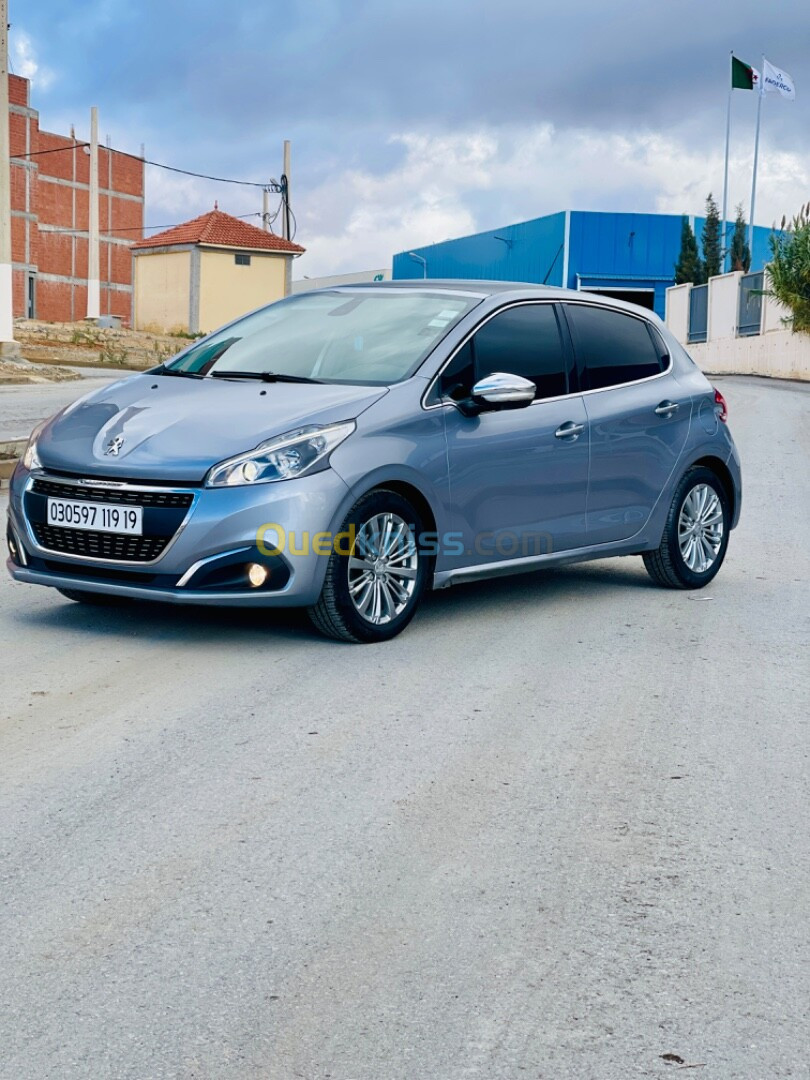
(201, 274)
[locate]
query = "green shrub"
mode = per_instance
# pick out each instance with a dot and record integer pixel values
(788, 273)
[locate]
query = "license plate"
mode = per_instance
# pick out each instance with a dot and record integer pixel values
(97, 517)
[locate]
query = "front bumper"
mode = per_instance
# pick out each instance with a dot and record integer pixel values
(218, 533)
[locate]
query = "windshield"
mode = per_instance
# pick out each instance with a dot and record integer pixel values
(374, 337)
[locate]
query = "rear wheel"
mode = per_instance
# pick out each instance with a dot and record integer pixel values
(695, 535)
(372, 593)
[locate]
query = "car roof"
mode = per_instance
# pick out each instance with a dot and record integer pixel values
(516, 289)
(454, 284)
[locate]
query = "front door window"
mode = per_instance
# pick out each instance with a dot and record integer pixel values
(522, 340)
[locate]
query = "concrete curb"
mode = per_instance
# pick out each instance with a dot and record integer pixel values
(10, 452)
(97, 365)
(29, 373)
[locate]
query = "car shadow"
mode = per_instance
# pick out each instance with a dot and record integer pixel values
(575, 581)
(167, 622)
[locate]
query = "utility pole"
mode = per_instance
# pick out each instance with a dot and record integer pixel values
(265, 209)
(93, 282)
(9, 348)
(285, 185)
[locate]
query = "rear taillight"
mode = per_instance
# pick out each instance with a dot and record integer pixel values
(720, 406)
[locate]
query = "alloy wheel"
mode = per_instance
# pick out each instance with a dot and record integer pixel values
(383, 568)
(701, 526)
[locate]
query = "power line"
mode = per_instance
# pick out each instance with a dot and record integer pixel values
(53, 150)
(271, 185)
(272, 217)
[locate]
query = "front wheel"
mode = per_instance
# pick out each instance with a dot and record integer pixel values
(372, 592)
(695, 535)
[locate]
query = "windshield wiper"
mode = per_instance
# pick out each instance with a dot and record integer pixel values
(263, 376)
(161, 369)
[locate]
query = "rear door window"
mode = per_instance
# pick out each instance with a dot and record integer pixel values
(611, 347)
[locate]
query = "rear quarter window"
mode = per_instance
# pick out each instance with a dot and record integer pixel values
(613, 348)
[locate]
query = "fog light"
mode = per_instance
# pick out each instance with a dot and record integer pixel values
(15, 548)
(257, 574)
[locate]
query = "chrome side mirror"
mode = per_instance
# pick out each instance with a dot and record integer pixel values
(500, 388)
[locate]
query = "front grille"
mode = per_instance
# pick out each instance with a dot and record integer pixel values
(170, 500)
(97, 545)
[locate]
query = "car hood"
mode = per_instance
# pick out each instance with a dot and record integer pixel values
(168, 428)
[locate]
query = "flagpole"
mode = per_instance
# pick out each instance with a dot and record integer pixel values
(756, 159)
(725, 168)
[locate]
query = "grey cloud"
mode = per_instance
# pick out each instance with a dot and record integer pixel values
(217, 87)
(353, 65)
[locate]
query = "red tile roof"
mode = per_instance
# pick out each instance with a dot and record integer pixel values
(220, 230)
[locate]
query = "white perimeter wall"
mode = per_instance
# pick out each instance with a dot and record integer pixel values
(780, 354)
(776, 352)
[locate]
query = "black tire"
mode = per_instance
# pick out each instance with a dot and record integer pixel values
(96, 599)
(335, 613)
(667, 566)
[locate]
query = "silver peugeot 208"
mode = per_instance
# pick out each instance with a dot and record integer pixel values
(347, 449)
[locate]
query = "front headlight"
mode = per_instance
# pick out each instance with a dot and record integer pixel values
(30, 458)
(283, 458)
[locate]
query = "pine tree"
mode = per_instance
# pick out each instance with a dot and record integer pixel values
(688, 268)
(740, 252)
(710, 240)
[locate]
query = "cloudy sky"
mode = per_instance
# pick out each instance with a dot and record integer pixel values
(417, 120)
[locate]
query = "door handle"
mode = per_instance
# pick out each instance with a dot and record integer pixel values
(667, 408)
(569, 430)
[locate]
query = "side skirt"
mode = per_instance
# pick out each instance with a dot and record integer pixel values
(632, 546)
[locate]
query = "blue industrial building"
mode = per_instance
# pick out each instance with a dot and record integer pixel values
(630, 256)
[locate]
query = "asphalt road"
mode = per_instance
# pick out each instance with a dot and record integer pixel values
(557, 829)
(22, 407)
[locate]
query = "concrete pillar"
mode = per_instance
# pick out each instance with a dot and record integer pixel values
(9, 348)
(724, 300)
(677, 311)
(93, 272)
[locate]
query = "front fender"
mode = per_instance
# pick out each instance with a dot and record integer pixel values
(394, 446)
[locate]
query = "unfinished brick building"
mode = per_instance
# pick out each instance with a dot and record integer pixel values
(50, 195)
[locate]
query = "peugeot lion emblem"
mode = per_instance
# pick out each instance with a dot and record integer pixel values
(114, 445)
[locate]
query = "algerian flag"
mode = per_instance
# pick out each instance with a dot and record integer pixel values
(743, 76)
(777, 82)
